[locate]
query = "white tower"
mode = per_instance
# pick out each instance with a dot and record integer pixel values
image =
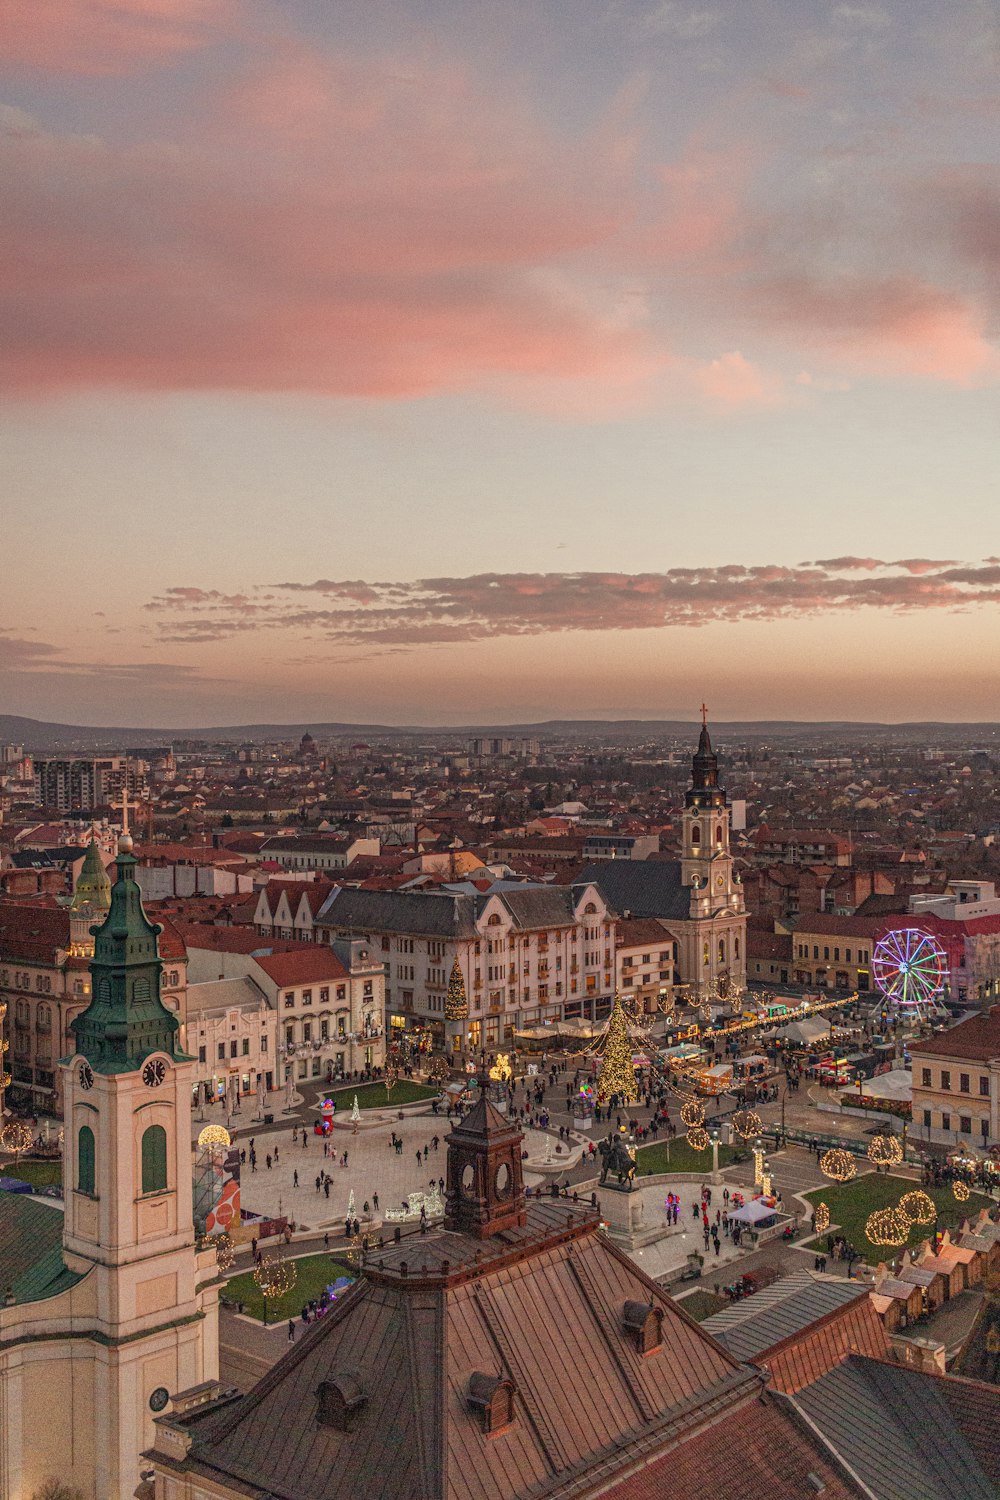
(127, 1183)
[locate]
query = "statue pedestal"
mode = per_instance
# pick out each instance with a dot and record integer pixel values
(623, 1213)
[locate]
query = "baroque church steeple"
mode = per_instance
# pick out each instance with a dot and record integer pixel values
(126, 1020)
(485, 1181)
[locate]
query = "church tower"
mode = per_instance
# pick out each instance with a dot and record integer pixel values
(707, 867)
(127, 1185)
(485, 1191)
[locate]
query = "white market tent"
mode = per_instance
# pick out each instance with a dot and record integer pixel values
(754, 1212)
(805, 1033)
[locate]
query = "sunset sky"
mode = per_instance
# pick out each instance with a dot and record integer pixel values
(452, 362)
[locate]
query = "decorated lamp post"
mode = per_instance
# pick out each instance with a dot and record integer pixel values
(716, 1174)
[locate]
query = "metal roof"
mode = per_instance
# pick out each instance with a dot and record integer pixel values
(780, 1310)
(31, 1262)
(645, 888)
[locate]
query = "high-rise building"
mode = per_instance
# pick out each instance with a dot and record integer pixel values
(70, 785)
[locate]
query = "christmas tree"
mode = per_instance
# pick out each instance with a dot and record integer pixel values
(617, 1075)
(456, 1005)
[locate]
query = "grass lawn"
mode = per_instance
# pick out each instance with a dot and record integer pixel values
(38, 1173)
(850, 1203)
(701, 1305)
(313, 1273)
(373, 1095)
(678, 1156)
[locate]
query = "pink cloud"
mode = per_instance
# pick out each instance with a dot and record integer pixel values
(107, 36)
(349, 228)
(448, 609)
(732, 380)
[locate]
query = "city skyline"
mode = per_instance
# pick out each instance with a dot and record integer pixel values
(437, 366)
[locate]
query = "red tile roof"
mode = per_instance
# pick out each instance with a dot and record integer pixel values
(762, 1455)
(313, 961)
(978, 1038)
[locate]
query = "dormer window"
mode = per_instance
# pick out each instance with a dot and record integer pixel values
(644, 1323)
(339, 1400)
(492, 1396)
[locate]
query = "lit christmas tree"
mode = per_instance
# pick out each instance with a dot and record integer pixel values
(617, 1075)
(456, 1005)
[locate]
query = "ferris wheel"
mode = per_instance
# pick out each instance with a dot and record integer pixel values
(910, 968)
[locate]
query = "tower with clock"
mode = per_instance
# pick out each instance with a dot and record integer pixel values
(127, 1176)
(717, 907)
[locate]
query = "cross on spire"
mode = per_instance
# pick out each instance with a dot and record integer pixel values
(704, 714)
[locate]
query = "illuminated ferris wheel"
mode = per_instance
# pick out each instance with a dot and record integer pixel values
(910, 968)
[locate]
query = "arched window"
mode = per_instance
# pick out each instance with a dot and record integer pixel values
(722, 950)
(154, 1159)
(718, 833)
(85, 1155)
(736, 947)
(704, 954)
(696, 833)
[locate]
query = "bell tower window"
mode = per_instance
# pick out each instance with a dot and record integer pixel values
(154, 1159)
(85, 1160)
(696, 833)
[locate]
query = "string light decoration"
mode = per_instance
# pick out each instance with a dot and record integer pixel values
(439, 1071)
(758, 1163)
(885, 1151)
(918, 1206)
(274, 1278)
(693, 1113)
(698, 1138)
(887, 1226)
(838, 1164)
(456, 1002)
(747, 1123)
(16, 1138)
(617, 1075)
(501, 1071)
(358, 1246)
(390, 1076)
(214, 1136)
(822, 1218)
(960, 1189)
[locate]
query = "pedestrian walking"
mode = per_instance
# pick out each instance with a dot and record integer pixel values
(291, 1330)
(375, 1201)
(295, 1177)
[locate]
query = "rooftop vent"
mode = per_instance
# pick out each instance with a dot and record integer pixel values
(492, 1396)
(644, 1322)
(339, 1400)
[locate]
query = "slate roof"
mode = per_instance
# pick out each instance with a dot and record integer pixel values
(911, 1435)
(432, 914)
(779, 1311)
(31, 1262)
(543, 1304)
(644, 888)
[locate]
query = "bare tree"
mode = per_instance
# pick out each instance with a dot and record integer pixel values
(54, 1489)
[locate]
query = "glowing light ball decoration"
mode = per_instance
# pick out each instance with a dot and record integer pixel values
(698, 1138)
(693, 1113)
(885, 1151)
(16, 1138)
(747, 1123)
(910, 967)
(918, 1206)
(822, 1218)
(274, 1277)
(838, 1165)
(960, 1189)
(214, 1138)
(225, 1251)
(887, 1226)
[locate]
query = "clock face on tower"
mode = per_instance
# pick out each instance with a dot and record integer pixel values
(720, 881)
(154, 1072)
(85, 1073)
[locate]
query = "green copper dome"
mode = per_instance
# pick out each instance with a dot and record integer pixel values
(126, 1020)
(93, 886)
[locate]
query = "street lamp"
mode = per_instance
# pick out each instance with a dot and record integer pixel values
(716, 1174)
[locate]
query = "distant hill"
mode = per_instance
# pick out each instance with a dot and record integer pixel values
(40, 736)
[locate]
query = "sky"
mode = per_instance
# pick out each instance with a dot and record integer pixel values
(438, 362)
